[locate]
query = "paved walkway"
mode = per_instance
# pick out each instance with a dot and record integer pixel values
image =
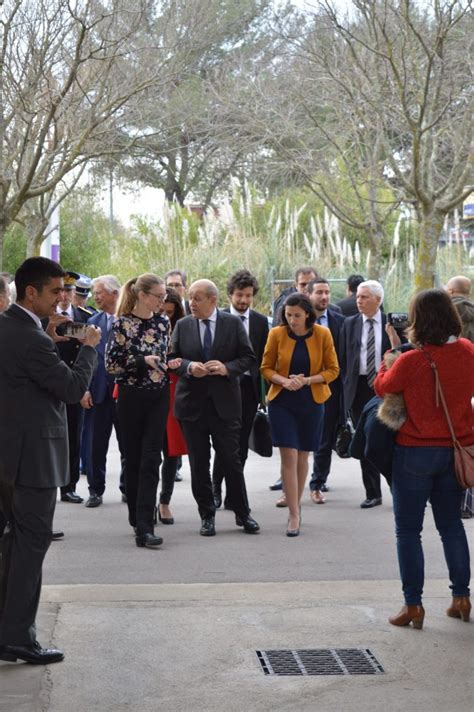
(140, 635)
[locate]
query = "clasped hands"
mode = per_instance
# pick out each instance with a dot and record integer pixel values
(210, 368)
(295, 381)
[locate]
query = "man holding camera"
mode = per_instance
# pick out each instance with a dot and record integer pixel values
(363, 343)
(68, 348)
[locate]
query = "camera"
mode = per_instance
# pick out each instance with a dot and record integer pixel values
(399, 320)
(75, 329)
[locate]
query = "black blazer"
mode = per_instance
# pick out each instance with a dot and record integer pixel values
(231, 346)
(34, 386)
(351, 335)
(258, 335)
(348, 305)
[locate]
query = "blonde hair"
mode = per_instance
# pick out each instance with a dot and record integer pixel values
(129, 292)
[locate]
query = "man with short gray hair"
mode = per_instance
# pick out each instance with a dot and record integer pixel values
(105, 290)
(459, 289)
(363, 343)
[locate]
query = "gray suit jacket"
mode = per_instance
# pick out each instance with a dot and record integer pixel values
(231, 346)
(34, 387)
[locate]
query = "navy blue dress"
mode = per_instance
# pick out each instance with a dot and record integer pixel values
(295, 418)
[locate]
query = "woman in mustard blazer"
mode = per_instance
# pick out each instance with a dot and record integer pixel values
(299, 361)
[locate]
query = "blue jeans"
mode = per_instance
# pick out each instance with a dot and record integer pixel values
(421, 474)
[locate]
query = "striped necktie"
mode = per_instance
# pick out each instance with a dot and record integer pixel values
(371, 370)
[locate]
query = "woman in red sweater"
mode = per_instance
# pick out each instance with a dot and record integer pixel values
(423, 464)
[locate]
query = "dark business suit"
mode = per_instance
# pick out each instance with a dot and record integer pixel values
(103, 414)
(34, 387)
(211, 407)
(250, 392)
(357, 391)
(333, 410)
(69, 350)
(348, 305)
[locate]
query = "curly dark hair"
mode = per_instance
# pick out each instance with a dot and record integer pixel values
(241, 280)
(299, 300)
(433, 318)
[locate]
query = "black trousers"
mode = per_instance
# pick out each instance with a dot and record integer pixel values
(249, 408)
(75, 417)
(225, 435)
(104, 418)
(29, 512)
(370, 474)
(142, 417)
(169, 469)
(322, 457)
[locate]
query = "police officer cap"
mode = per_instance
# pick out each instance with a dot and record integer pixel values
(83, 285)
(70, 279)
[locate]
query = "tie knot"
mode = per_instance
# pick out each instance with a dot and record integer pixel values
(206, 321)
(242, 317)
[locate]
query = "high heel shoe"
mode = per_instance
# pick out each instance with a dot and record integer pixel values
(294, 532)
(409, 614)
(460, 608)
(165, 520)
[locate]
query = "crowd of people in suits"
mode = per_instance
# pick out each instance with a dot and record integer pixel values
(173, 374)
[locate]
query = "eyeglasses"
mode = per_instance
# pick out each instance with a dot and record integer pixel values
(161, 296)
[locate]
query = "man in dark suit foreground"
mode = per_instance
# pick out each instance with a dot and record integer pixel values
(363, 343)
(34, 387)
(241, 290)
(210, 350)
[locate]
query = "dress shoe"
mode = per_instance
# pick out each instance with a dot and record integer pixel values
(178, 477)
(150, 541)
(409, 614)
(165, 520)
(95, 500)
(249, 524)
(71, 497)
(317, 497)
(208, 527)
(57, 535)
(217, 499)
(278, 485)
(34, 654)
(282, 501)
(368, 503)
(324, 488)
(460, 608)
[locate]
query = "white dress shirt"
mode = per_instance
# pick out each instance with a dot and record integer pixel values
(377, 319)
(245, 319)
(35, 318)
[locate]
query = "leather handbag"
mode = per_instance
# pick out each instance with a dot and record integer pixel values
(344, 435)
(463, 456)
(260, 439)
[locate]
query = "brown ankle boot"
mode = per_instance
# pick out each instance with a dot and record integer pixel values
(409, 614)
(460, 608)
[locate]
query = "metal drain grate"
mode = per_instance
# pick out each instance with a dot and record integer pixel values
(320, 661)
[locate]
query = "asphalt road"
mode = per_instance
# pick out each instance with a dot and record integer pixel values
(338, 541)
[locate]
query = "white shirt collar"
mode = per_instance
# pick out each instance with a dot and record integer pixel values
(35, 317)
(245, 314)
(212, 317)
(376, 317)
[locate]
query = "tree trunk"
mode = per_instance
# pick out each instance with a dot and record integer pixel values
(376, 238)
(431, 228)
(35, 227)
(2, 242)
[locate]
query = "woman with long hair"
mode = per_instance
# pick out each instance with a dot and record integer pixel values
(136, 355)
(423, 463)
(174, 444)
(299, 361)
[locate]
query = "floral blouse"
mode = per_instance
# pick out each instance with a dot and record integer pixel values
(131, 338)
